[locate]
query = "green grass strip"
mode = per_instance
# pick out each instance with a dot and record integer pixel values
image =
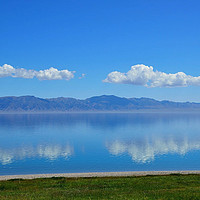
(141, 188)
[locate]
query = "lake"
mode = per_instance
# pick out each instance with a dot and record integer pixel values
(98, 142)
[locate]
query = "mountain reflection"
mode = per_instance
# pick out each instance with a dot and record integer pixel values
(41, 143)
(50, 152)
(97, 120)
(143, 151)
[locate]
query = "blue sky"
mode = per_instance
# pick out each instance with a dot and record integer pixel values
(96, 38)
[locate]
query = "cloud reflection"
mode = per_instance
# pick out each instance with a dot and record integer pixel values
(50, 152)
(143, 151)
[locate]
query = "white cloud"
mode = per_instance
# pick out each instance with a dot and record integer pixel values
(47, 74)
(82, 76)
(146, 76)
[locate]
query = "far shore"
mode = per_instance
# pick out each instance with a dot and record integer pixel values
(98, 174)
(138, 111)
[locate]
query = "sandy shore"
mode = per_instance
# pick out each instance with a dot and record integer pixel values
(96, 174)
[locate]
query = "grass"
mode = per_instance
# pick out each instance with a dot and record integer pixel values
(137, 188)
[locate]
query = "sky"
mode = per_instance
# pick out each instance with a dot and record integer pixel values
(84, 48)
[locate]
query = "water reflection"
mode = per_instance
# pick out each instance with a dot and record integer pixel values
(145, 150)
(100, 120)
(41, 143)
(50, 152)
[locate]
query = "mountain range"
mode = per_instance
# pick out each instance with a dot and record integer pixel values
(96, 103)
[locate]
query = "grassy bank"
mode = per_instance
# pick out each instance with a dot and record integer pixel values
(146, 187)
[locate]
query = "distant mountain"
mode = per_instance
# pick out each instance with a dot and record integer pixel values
(96, 103)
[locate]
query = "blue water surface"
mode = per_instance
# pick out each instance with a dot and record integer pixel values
(97, 142)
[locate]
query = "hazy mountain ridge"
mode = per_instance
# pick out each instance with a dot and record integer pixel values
(96, 103)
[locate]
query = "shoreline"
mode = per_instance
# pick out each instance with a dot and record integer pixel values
(141, 111)
(97, 174)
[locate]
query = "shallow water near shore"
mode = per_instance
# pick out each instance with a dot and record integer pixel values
(98, 142)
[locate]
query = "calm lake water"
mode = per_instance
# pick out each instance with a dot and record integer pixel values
(58, 143)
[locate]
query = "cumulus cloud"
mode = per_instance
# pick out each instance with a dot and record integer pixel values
(146, 76)
(82, 76)
(47, 74)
